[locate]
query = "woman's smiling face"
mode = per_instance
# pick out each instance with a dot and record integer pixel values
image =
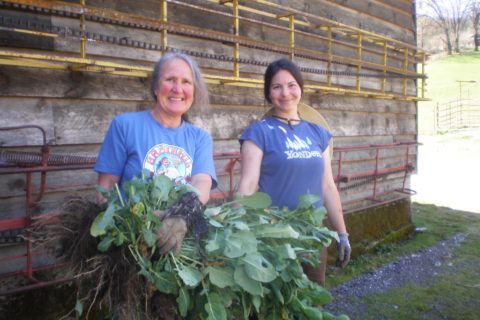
(285, 92)
(175, 88)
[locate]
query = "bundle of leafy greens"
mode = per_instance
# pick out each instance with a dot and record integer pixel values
(253, 254)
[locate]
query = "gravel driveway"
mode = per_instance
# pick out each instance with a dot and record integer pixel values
(413, 268)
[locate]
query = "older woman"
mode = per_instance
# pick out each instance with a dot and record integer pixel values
(287, 157)
(162, 141)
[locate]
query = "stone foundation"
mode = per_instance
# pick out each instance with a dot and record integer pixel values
(371, 227)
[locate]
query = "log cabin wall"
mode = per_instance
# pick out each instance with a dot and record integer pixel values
(70, 67)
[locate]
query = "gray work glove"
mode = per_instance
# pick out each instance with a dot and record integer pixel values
(344, 249)
(186, 214)
(171, 233)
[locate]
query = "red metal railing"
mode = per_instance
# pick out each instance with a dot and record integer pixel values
(377, 172)
(44, 162)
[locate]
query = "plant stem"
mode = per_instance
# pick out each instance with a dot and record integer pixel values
(119, 195)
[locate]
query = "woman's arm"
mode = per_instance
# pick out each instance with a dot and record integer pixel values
(107, 181)
(335, 213)
(332, 197)
(251, 157)
(203, 183)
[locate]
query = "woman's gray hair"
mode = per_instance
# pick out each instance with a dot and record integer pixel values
(200, 92)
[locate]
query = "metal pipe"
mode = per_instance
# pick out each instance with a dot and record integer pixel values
(375, 175)
(44, 169)
(28, 126)
(163, 19)
(22, 158)
(405, 66)
(359, 58)
(339, 173)
(385, 60)
(36, 286)
(423, 72)
(329, 53)
(28, 219)
(291, 39)
(83, 39)
(137, 21)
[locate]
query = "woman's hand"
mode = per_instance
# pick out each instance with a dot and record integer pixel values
(106, 181)
(171, 233)
(344, 249)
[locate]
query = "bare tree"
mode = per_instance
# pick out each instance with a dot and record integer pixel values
(475, 14)
(450, 15)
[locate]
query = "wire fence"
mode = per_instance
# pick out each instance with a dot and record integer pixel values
(458, 114)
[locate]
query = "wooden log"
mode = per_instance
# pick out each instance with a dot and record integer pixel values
(32, 82)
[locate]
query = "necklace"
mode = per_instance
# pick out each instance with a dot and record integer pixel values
(289, 121)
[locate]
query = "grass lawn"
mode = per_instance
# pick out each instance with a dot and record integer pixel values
(443, 74)
(447, 296)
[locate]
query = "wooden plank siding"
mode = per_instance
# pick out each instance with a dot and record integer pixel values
(75, 108)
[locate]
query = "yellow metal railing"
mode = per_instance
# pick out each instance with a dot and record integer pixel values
(397, 58)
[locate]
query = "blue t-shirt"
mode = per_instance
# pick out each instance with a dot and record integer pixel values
(135, 142)
(292, 163)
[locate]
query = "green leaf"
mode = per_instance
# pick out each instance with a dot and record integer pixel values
(152, 217)
(312, 313)
(165, 282)
(144, 272)
(104, 245)
(183, 301)
(119, 239)
(258, 200)
(308, 200)
(221, 277)
(215, 223)
(276, 287)
(275, 313)
(317, 294)
(190, 276)
(131, 188)
(318, 215)
(239, 243)
(257, 302)
(149, 236)
(240, 225)
(246, 283)
(276, 231)
(284, 251)
(216, 242)
(212, 211)
(215, 308)
(329, 316)
(259, 268)
(102, 221)
(212, 245)
(78, 309)
(162, 186)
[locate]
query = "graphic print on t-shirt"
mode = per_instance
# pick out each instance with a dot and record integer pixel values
(298, 148)
(171, 161)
